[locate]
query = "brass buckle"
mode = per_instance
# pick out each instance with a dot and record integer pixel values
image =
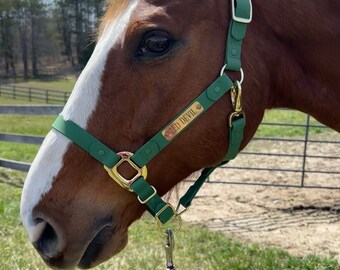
(240, 19)
(162, 227)
(121, 180)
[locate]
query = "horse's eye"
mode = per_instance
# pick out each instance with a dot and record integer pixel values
(155, 45)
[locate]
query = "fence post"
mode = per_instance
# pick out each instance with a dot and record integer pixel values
(305, 151)
(46, 96)
(30, 94)
(14, 92)
(65, 97)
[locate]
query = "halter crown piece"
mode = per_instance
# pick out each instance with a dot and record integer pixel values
(147, 194)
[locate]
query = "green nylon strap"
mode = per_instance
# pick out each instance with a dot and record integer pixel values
(188, 197)
(213, 93)
(86, 141)
(145, 192)
(154, 202)
(109, 158)
(235, 138)
(236, 34)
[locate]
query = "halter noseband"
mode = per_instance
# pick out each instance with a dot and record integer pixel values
(147, 194)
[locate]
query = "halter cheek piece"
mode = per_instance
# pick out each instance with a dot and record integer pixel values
(147, 194)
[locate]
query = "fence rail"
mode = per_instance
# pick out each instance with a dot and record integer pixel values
(31, 110)
(248, 160)
(14, 165)
(308, 162)
(34, 94)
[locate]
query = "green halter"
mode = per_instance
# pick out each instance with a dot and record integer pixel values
(147, 194)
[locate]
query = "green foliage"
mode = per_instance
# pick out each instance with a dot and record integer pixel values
(86, 53)
(34, 33)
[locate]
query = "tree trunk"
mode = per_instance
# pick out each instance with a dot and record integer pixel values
(24, 46)
(66, 33)
(8, 45)
(33, 44)
(79, 31)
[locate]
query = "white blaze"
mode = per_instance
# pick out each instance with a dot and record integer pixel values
(79, 108)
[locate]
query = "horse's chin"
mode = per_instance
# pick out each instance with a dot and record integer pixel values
(103, 247)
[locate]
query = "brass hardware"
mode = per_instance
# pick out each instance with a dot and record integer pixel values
(235, 115)
(236, 101)
(236, 97)
(162, 227)
(121, 180)
(149, 198)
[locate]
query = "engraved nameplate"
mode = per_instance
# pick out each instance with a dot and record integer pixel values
(182, 121)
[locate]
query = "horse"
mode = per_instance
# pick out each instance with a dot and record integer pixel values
(152, 58)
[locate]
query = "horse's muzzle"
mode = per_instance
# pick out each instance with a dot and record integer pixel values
(52, 245)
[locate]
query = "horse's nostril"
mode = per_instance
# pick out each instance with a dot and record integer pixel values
(36, 231)
(47, 244)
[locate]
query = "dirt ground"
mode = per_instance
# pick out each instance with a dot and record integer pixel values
(300, 221)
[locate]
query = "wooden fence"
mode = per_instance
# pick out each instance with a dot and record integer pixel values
(299, 160)
(34, 94)
(18, 138)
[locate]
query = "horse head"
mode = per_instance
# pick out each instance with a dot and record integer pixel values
(152, 58)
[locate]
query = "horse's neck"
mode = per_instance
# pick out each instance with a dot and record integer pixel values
(302, 41)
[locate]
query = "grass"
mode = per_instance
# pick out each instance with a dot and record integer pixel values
(274, 116)
(290, 117)
(46, 82)
(11, 101)
(33, 125)
(196, 247)
(40, 125)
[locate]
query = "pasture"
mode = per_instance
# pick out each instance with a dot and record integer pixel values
(48, 82)
(196, 247)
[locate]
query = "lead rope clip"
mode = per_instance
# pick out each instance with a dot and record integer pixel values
(236, 101)
(169, 249)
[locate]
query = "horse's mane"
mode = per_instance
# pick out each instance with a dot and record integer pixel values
(114, 8)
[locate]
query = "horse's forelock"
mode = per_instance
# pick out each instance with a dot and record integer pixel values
(114, 8)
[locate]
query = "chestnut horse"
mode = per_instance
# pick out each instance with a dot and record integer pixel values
(153, 57)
